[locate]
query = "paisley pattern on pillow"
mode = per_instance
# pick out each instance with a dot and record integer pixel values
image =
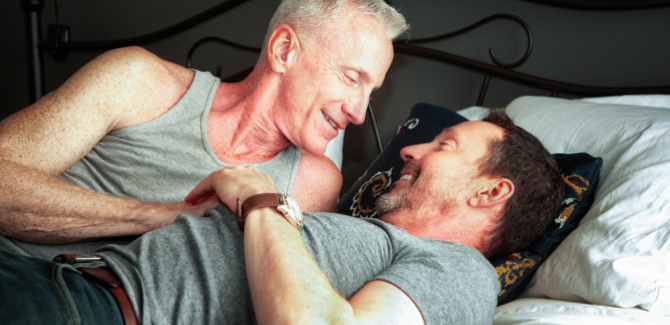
(516, 270)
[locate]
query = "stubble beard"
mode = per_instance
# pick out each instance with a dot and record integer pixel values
(393, 200)
(397, 197)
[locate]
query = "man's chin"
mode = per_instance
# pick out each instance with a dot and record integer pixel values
(392, 200)
(315, 149)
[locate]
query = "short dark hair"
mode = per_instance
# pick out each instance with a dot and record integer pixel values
(538, 185)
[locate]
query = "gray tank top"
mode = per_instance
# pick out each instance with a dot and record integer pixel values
(159, 161)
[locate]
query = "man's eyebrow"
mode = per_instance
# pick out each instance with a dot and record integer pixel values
(364, 74)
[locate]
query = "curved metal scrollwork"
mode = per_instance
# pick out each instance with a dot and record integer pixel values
(219, 40)
(605, 4)
(526, 28)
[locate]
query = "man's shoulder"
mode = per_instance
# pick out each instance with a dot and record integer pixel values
(139, 84)
(318, 183)
(144, 68)
(446, 254)
(467, 285)
(137, 60)
(319, 164)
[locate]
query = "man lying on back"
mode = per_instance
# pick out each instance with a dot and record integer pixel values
(423, 263)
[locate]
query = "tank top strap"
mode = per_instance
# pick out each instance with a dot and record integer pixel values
(283, 168)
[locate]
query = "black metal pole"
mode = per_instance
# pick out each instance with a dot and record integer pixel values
(33, 26)
(375, 129)
(482, 92)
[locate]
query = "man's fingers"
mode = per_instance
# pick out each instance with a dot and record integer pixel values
(205, 197)
(207, 203)
(200, 192)
(230, 184)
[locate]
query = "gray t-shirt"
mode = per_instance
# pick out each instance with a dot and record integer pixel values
(192, 272)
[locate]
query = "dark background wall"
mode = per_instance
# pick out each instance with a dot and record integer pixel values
(600, 48)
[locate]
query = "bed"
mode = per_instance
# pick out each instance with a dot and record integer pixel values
(610, 264)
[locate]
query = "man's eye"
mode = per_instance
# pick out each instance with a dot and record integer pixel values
(449, 143)
(352, 78)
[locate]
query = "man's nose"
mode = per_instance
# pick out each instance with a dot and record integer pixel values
(355, 109)
(411, 153)
(356, 113)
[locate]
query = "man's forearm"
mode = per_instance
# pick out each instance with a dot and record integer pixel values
(41, 208)
(287, 286)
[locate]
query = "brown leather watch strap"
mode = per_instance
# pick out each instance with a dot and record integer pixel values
(255, 202)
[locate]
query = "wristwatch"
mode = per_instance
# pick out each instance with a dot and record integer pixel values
(282, 202)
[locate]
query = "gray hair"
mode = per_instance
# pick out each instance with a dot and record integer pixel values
(305, 16)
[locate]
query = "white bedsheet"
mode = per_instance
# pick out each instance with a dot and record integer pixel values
(555, 312)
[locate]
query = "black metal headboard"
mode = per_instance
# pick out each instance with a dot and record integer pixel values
(58, 44)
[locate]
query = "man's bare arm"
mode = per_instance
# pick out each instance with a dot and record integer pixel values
(287, 286)
(119, 89)
(317, 184)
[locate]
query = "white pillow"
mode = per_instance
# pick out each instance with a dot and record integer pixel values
(636, 100)
(474, 113)
(620, 254)
(334, 149)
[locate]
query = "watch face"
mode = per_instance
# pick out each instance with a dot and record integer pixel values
(292, 209)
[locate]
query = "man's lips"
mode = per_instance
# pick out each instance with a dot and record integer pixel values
(332, 123)
(410, 172)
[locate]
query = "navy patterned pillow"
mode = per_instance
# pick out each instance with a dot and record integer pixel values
(580, 172)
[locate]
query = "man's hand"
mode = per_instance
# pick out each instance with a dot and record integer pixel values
(197, 208)
(231, 183)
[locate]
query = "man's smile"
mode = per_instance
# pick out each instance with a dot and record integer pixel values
(407, 177)
(410, 172)
(332, 123)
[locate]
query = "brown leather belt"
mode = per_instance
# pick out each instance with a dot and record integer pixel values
(106, 277)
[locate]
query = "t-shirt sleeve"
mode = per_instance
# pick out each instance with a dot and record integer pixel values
(450, 283)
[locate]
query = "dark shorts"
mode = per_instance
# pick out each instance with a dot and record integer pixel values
(36, 291)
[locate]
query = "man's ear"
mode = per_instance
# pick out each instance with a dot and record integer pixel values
(282, 48)
(491, 192)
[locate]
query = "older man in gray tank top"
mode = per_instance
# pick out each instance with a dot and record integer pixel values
(116, 148)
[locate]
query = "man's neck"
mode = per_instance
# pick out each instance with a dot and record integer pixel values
(463, 226)
(240, 127)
